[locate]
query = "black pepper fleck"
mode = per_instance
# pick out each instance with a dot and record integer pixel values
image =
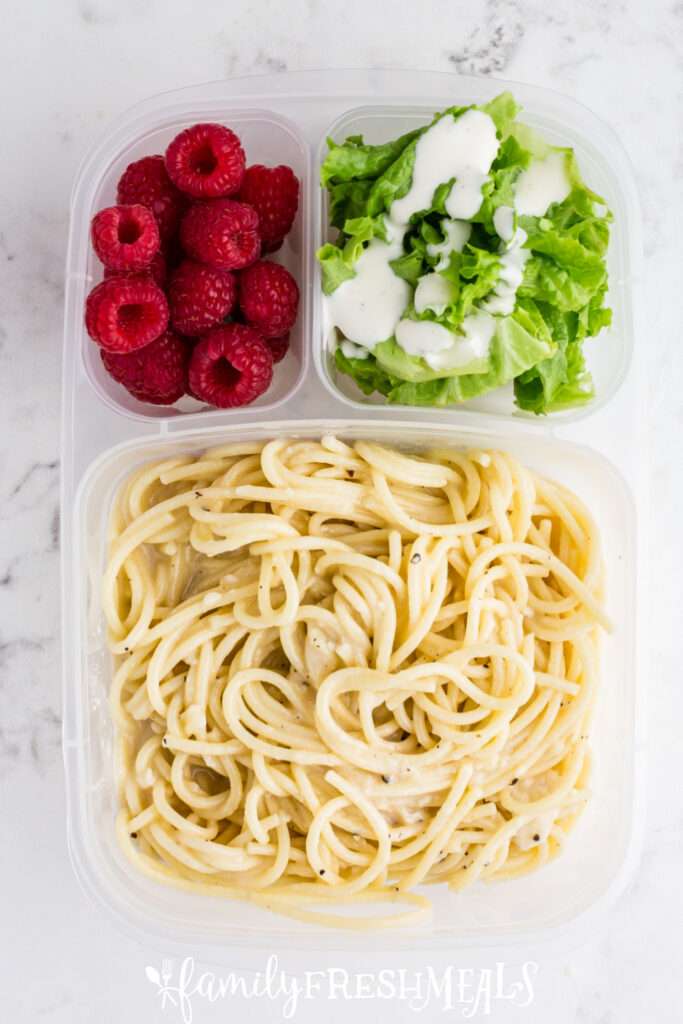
(133, 835)
(415, 559)
(514, 782)
(385, 778)
(537, 838)
(322, 871)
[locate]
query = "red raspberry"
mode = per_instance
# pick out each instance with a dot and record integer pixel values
(199, 297)
(268, 298)
(146, 182)
(156, 373)
(125, 237)
(274, 194)
(279, 347)
(206, 161)
(125, 313)
(223, 234)
(173, 252)
(230, 366)
(156, 269)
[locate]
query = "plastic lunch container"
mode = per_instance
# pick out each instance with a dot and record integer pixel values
(106, 434)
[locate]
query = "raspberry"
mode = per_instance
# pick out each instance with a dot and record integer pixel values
(125, 313)
(206, 161)
(146, 182)
(199, 297)
(230, 366)
(173, 252)
(156, 373)
(274, 194)
(125, 237)
(268, 298)
(156, 269)
(223, 234)
(279, 347)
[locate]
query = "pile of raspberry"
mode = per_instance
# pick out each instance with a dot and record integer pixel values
(188, 305)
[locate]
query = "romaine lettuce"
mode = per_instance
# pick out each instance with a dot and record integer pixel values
(560, 302)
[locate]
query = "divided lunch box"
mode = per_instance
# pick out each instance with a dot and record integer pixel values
(286, 118)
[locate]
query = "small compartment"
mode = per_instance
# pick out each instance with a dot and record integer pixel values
(605, 169)
(536, 908)
(267, 138)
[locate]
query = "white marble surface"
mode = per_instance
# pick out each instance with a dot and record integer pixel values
(66, 67)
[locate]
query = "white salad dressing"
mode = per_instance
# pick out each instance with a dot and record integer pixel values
(543, 183)
(511, 273)
(367, 307)
(462, 148)
(457, 234)
(423, 338)
(442, 349)
(504, 222)
(353, 351)
(433, 292)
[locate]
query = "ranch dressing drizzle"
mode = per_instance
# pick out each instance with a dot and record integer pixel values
(473, 344)
(457, 235)
(368, 307)
(442, 349)
(543, 183)
(462, 148)
(433, 292)
(511, 273)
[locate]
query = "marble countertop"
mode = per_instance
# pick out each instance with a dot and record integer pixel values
(66, 69)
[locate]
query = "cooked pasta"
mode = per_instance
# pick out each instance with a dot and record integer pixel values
(343, 671)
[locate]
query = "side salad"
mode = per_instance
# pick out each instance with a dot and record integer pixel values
(470, 254)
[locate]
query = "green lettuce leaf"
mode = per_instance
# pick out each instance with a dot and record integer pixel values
(502, 110)
(561, 380)
(396, 362)
(353, 160)
(334, 269)
(514, 349)
(367, 373)
(473, 273)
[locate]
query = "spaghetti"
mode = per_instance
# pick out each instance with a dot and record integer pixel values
(343, 671)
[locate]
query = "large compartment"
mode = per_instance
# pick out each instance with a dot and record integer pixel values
(490, 914)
